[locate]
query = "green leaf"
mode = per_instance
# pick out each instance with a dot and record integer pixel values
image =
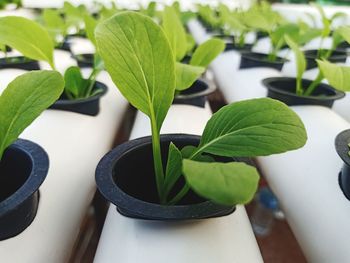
(345, 33)
(224, 183)
(300, 62)
(207, 52)
(191, 43)
(256, 127)
(186, 75)
(173, 169)
(175, 32)
(138, 57)
(90, 25)
(74, 81)
(54, 23)
(28, 37)
(337, 76)
(24, 99)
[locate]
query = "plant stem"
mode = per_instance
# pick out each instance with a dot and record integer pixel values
(179, 195)
(91, 82)
(314, 84)
(299, 89)
(157, 158)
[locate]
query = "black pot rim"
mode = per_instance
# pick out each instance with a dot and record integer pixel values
(335, 56)
(76, 56)
(248, 54)
(98, 84)
(267, 83)
(211, 89)
(109, 189)
(28, 60)
(341, 145)
(37, 175)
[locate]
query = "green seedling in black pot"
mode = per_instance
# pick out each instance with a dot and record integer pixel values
(141, 62)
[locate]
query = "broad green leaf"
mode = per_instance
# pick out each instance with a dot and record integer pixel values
(28, 37)
(300, 62)
(191, 43)
(24, 99)
(90, 25)
(54, 23)
(207, 52)
(224, 183)
(74, 15)
(175, 32)
(345, 33)
(139, 59)
(74, 81)
(173, 168)
(277, 37)
(256, 127)
(186, 75)
(337, 38)
(337, 76)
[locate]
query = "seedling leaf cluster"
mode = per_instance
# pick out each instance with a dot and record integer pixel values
(146, 75)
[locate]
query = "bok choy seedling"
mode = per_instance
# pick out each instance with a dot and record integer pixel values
(327, 31)
(337, 76)
(187, 74)
(33, 41)
(141, 61)
(24, 99)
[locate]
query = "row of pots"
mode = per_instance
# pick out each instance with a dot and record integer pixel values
(282, 88)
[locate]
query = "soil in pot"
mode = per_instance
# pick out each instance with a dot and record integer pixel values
(87, 106)
(84, 60)
(19, 63)
(23, 169)
(338, 56)
(258, 60)
(125, 176)
(342, 146)
(283, 89)
(196, 95)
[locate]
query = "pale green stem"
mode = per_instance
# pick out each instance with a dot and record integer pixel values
(157, 158)
(314, 84)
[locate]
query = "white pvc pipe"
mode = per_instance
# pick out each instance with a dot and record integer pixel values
(226, 240)
(306, 184)
(75, 143)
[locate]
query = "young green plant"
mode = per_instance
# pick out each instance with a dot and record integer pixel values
(36, 91)
(141, 62)
(326, 31)
(337, 76)
(33, 41)
(187, 74)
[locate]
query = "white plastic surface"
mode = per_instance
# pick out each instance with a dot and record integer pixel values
(306, 184)
(74, 143)
(81, 46)
(294, 12)
(62, 59)
(226, 240)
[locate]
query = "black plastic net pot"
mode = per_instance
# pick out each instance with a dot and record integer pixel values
(342, 146)
(196, 95)
(125, 177)
(283, 89)
(19, 62)
(259, 60)
(23, 169)
(338, 56)
(88, 106)
(85, 60)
